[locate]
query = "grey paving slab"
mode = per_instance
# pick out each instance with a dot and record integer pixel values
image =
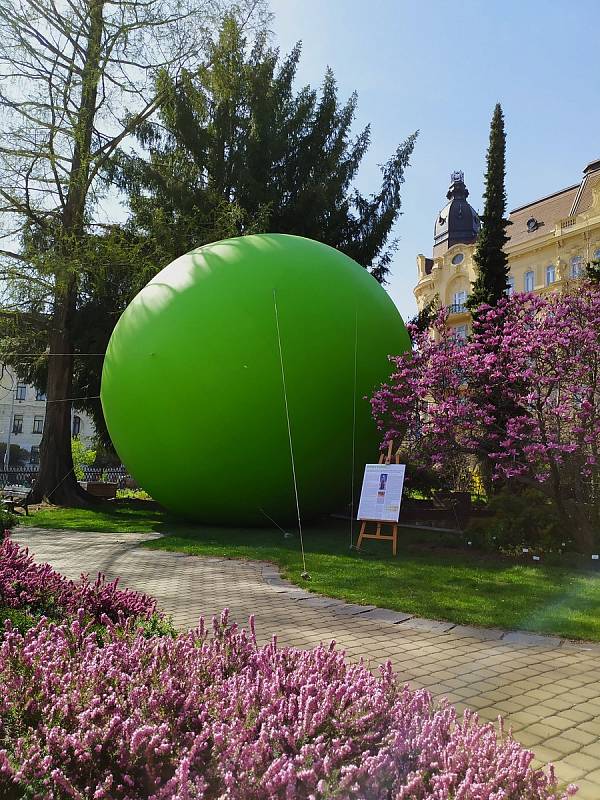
(531, 639)
(386, 615)
(319, 602)
(351, 609)
(469, 631)
(428, 624)
(548, 690)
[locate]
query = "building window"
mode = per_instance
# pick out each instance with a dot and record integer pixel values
(76, 425)
(550, 274)
(529, 281)
(597, 255)
(38, 425)
(458, 302)
(460, 333)
(458, 259)
(39, 395)
(576, 267)
(34, 456)
(510, 288)
(21, 391)
(18, 423)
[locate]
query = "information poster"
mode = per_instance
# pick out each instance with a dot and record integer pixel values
(381, 492)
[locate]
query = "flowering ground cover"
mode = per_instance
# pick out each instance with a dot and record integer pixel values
(433, 576)
(29, 590)
(213, 715)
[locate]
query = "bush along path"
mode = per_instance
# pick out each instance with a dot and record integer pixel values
(547, 691)
(215, 716)
(30, 591)
(95, 706)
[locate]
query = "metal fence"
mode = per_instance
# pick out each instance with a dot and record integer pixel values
(106, 474)
(25, 476)
(18, 476)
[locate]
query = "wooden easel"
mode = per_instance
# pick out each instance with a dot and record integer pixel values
(378, 535)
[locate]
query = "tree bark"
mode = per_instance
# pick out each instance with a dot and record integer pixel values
(56, 480)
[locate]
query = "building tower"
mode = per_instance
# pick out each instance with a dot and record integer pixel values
(551, 241)
(457, 222)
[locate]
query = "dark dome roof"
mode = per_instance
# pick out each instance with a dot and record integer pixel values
(457, 222)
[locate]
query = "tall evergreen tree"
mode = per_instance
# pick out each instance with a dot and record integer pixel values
(490, 259)
(236, 138)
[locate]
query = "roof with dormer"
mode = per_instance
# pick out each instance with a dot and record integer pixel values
(538, 218)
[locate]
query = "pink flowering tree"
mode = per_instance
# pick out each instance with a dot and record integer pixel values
(523, 394)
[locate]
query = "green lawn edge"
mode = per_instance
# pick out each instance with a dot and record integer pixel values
(465, 588)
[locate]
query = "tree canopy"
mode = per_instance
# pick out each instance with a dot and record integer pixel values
(237, 149)
(206, 148)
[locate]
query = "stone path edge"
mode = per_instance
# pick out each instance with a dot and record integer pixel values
(271, 575)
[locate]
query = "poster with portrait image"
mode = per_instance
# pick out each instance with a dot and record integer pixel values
(381, 492)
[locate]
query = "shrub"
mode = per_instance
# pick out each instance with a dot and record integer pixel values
(420, 481)
(7, 518)
(21, 620)
(38, 589)
(82, 457)
(521, 397)
(217, 716)
(520, 518)
(133, 494)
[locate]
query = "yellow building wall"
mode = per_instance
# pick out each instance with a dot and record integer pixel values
(571, 238)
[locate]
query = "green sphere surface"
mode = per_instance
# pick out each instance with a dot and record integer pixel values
(193, 390)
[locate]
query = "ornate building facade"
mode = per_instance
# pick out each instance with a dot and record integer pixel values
(551, 241)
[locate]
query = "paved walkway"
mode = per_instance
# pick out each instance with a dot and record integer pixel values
(547, 690)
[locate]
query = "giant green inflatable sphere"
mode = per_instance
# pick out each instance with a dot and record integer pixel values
(193, 388)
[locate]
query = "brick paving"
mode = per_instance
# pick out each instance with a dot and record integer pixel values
(547, 690)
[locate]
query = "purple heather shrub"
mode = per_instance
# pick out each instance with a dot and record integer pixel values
(39, 589)
(213, 715)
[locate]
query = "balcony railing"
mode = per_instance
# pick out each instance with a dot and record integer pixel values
(457, 308)
(567, 222)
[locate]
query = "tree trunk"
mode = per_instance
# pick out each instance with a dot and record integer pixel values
(56, 481)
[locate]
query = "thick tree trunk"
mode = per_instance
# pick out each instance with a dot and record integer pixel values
(56, 481)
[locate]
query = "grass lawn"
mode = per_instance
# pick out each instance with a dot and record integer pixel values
(424, 579)
(124, 518)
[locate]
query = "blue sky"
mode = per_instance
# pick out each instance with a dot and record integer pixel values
(440, 67)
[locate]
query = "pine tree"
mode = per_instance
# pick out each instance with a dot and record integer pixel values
(490, 259)
(239, 144)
